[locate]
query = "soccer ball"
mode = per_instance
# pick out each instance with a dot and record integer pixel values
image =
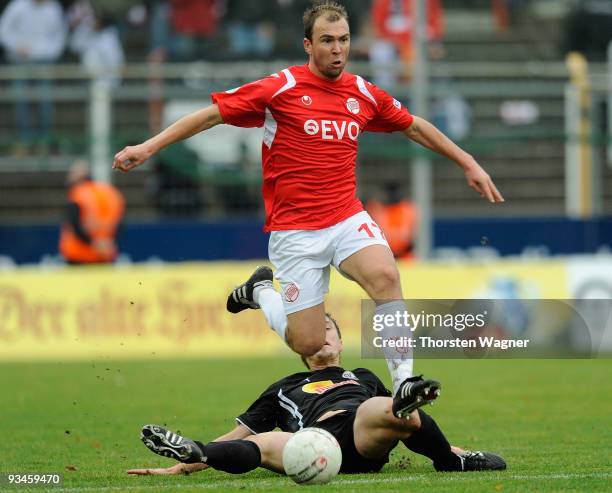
(312, 456)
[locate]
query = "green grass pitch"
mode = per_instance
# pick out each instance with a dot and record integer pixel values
(550, 419)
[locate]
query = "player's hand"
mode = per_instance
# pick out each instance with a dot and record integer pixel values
(130, 157)
(159, 471)
(480, 181)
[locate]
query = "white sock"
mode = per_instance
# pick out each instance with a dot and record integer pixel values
(271, 305)
(399, 361)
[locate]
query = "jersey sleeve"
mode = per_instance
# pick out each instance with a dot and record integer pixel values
(391, 116)
(245, 106)
(262, 415)
(381, 390)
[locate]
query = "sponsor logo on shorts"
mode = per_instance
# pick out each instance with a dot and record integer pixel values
(325, 385)
(307, 100)
(292, 292)
(349, 374)
(352, 105)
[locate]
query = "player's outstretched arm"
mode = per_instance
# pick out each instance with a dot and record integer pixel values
(196, 122)
(175, 469)
(424, 133)
(238, 433)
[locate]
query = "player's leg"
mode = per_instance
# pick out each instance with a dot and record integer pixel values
(271, 447)
(373, 268)
(376, 430)
(429, 441)
(302, 330)
(302, 260)
(306, 330)
(362, 253)
(296, 314)
(232, 456)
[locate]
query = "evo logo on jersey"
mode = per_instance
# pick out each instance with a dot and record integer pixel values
(325, 385)
(332, 130)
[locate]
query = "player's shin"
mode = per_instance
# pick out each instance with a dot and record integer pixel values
(271, 304)
(399, 358)
(429, 441)
(233, 456)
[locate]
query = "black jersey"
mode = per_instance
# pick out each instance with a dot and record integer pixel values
(297, 401)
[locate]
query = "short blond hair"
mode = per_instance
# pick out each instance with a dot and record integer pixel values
(333, 11)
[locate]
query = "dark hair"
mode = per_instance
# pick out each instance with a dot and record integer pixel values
(334, 12)
(328, 315)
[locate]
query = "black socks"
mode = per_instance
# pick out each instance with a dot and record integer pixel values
(429, 441)
(233, 456)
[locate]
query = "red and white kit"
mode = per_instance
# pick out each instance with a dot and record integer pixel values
(311, 128)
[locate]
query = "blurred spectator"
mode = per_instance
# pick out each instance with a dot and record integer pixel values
(507, 13)
(394, 22)
(79, 12)
(287, 15)
(184, 30)
(393, 25)
(97, 42)
(398, 219)
(588, 29)
(451, 112)
(250, 32)
(94, 213)
(32, 33)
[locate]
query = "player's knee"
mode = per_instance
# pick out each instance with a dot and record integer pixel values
(405, 427)
(414, 423)
(385, 282)
(307, 345)
(305, 341)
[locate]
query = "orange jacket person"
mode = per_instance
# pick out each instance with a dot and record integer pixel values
(398, 218)
(95, 211)
(393, 20)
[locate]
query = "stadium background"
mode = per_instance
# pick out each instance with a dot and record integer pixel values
(81, 348)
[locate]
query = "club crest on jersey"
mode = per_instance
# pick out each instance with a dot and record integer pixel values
(397, 104)
(307, 100)
(292, 292)
(352, 105)
(349, 374)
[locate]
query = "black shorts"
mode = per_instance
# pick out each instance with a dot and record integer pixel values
(341, 426)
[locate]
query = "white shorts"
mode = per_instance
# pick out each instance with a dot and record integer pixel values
(302, 257)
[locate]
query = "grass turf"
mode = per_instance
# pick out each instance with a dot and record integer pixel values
(549, 419)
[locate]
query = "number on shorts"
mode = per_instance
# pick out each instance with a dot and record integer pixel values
(368, 230)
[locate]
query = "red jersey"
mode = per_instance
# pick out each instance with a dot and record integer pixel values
(311, 126)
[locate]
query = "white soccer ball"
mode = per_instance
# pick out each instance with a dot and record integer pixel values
(312, 456)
